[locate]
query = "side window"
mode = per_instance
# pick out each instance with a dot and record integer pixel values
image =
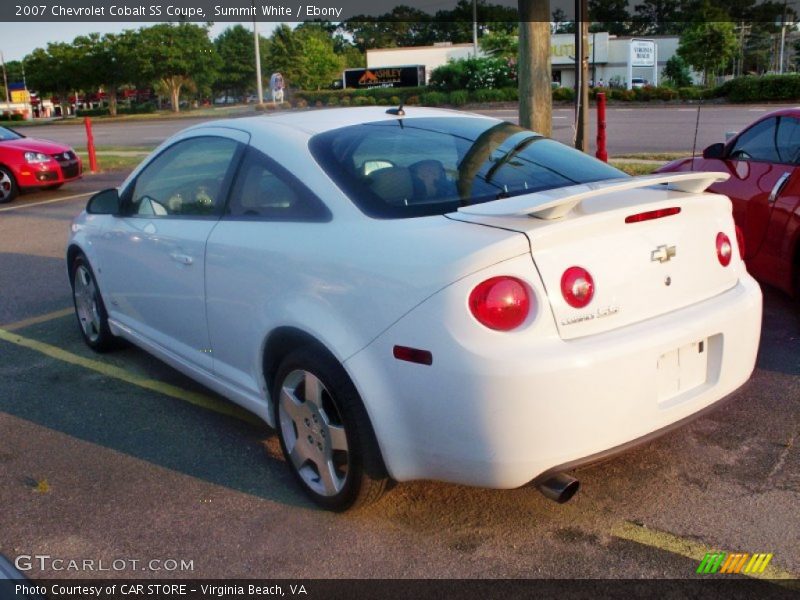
(266, 191)
(187, 179)
(788, 140)
(758, 143)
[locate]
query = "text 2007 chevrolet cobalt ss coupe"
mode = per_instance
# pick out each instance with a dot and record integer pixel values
(421, 294)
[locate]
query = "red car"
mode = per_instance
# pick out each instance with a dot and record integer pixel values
(30, 163)
(764, 188)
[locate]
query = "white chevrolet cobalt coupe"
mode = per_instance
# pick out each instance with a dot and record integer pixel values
(421, 294)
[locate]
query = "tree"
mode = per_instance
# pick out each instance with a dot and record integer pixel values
(611, 16)
(106, 62)
(285, 54)
(54, 71)
(500, 43)
(659, 17)
(708, 46)
(234, 47)
(322, 64)
(176, 57)
(677, 72)
(535, 95)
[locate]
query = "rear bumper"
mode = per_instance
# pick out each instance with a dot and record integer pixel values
(501, 415)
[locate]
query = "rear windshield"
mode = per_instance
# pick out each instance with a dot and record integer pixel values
(430, 166)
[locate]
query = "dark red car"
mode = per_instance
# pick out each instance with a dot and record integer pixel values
(30, 163)
(764, 188)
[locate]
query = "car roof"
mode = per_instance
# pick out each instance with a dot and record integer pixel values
(312, 122)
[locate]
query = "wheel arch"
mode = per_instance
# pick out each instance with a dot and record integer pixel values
(284, 340)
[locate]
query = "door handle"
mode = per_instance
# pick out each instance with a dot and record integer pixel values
(184, 259)
(776, 189)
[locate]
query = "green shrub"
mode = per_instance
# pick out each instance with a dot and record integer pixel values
(689, 93)
(360, 101)
(412, 100)
(474, 74)
(300, 103)
(488, 95)
(383, 102)
(434, 98)
(561, 94)
(510, 94)
(458, 97)
(760, 89)
(395, 100)
(345, 101)
(332, 101)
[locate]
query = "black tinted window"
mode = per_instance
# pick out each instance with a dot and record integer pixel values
(759, 143)
(265, 190)
(186, 179)
(413, 167)
(7, 134)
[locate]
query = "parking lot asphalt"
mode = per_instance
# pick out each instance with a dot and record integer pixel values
(109, 457)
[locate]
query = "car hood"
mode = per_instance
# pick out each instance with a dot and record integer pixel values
(34, 145)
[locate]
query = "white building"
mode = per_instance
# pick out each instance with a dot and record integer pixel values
(608, 57)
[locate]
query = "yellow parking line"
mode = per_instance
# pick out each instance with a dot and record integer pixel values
(108, 370)
(56, 314)
(54, 200)
(688, 548)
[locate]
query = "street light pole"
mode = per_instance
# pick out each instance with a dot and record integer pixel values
(475, 28)
(259, 84)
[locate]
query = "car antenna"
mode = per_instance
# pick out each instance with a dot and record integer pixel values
(397, 111)
(696, 128)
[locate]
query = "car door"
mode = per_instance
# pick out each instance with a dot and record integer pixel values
(763, 187)
(260, 259)
(155, 269)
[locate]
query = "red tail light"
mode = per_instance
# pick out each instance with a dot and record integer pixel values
(577, 287)
(500, 303)
(740, 241)
(653, 214)
(724, 249)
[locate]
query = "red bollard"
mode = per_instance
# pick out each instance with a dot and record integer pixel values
(90, 145)
(601, 153)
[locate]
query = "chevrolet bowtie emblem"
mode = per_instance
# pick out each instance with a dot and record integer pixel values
(662, 254)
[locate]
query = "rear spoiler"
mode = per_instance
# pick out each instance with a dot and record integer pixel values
(555, 203)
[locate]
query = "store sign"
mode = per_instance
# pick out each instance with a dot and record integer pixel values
(643, 53)
(562, 48)
(408, 76)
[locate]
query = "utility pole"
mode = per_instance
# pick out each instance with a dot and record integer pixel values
(259, 83)
(5, 81)
(475, 28)
(581, 75)
(535, 74)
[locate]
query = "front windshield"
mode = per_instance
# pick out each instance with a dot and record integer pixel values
(433, 165)
(7, 134)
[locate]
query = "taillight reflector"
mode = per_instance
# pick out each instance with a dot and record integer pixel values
(500, 303)
(577, 287)
(414, 355)
(724, 249)
(653, 214)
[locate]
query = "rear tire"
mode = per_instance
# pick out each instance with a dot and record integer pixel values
(8, 186)
(325, 434)
(89, 307)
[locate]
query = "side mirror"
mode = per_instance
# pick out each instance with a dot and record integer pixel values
(104, 203)
(714, 151)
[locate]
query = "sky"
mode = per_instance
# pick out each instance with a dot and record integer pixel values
(19, 39)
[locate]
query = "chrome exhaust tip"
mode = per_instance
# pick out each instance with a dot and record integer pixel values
(559, 487)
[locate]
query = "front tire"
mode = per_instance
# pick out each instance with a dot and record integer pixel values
(8, 186)
(89, 307)
(325, 433)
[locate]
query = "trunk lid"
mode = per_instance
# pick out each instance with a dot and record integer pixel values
(640, 269)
